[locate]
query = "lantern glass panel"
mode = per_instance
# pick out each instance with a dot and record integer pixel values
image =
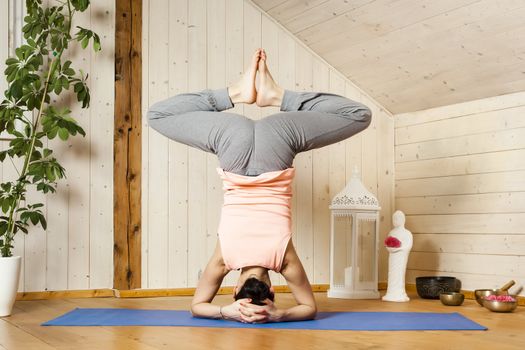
(366, 241)
(342, 250)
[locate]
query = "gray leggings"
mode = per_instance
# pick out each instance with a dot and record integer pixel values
(249, 147)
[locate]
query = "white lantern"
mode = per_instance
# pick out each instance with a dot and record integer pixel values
(354, 235)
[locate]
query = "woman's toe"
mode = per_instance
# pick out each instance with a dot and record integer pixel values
(255, 59)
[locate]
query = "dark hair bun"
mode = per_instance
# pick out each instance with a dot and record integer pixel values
(256, 290)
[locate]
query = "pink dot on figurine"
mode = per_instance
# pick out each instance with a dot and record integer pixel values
(392, 242)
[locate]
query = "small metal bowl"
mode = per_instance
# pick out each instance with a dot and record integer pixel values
(452, 298)
(501, 306)
(480, 294)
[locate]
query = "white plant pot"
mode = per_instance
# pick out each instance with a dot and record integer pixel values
(9, 277)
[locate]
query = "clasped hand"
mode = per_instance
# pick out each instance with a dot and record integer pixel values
(243, 311)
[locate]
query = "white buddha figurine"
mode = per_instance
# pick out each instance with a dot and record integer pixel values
(397, 260)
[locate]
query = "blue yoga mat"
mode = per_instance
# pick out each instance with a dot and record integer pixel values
(360, 321)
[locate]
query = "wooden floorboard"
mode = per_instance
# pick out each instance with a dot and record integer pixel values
(14, 337)
(22, 329)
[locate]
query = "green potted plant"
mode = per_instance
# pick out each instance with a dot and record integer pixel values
(47, 31)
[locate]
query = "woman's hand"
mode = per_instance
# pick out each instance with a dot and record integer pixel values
(252, 313)
(232, 311)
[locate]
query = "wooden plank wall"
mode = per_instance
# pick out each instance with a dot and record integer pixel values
(460, 179)
(76, 250)
(192, 45)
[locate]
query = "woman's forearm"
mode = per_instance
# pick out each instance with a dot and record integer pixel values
(206, 310)
(298, 313)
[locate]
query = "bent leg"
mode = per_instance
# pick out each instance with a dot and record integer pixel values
(206, 100)
(318, 119)
(192, 118)
(195, 119)
(308, 120)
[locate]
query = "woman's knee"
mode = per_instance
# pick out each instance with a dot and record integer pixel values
(366, 116)
(167, 107)
(356, 111)
(156, 118)
(357, 114)
(177, 105)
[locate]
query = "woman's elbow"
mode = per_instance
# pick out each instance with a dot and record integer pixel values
(194, 310)
(312, 313)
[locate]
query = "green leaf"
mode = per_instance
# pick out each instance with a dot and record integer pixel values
(24, 216)
(78, 87)
(5, 205)
(11, 61)
(3, 229)
(63, 134)
(31, 102)
(84, 43)
(34, 218)
(50, 175)
(58, 88)
(16, 89)
(43, 221)
(96, 42)
(64, 82)
(19, 53)
(45, 188)
(80, 5)
(52, 133)
(22, 228)
(11, 75)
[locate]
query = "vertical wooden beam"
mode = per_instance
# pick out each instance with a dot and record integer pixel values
(127, 145)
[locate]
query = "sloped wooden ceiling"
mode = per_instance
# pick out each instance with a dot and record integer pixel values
(415, 54)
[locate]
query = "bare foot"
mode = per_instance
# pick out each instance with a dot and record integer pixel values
(269, 92)
(243, 91)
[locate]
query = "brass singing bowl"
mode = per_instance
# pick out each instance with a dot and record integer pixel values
(501, 306)
(451, 298)
(480, 294)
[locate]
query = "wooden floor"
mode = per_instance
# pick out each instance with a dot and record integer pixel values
(21, 330)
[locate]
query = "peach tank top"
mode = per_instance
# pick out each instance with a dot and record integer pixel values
(255, 224)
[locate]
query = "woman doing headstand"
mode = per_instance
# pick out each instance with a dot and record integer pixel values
(255, 157)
